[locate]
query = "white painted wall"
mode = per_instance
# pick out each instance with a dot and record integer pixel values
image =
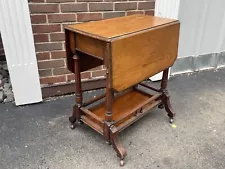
(202, 27)
(19, 49)
(166, 9)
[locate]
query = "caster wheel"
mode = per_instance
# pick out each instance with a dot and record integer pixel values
(122, 163)
(171, 120)
(72, 126)
(161, 106)
(108, 142)
(80, 122)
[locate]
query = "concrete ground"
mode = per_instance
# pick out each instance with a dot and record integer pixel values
(38, 136)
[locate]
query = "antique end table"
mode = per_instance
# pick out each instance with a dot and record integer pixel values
(132, 49)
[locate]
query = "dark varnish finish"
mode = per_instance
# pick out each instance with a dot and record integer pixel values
(132, 49)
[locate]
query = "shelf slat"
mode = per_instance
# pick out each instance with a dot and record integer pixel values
(122, 105)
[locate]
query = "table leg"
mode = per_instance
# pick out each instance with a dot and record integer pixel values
(108, 110)
(166, 96)
(109, 94)
(78, 93)
(121, 152)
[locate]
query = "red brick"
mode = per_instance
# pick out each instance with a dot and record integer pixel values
(82, 17)
(108, 15)
(55, 1)
(141, 0)
(51, 64)
(48, 47)
(100, 6)
(146, 5)
(41, 38)
(84, 75)
(70, 77)
(59, 18)
(44, 8)
(43, 56)
(61, 71)
(53, 79)
(45, 73)
(57, 37)
(46, 28)
(74, 7)
(37, 19)
(1, 45)
(134, 12)
(36, 1)
(150, 12)
(96, 68)
(2, 53)
(66, 24)
(112, 0)
(123, 6)
(89, 0)
(98, 73)
(58, 54)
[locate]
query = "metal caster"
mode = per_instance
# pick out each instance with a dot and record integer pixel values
(122, 163)
(171, 120)
(108, 142)
(161, 106)
(72, 126)
(80, 122)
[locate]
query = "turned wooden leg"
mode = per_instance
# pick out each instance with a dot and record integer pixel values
(165, 97)
(78, 93)
(109, 97)
(121, 152)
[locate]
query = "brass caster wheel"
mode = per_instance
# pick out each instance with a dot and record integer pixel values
(161, 106)
(122, 163)
(72, 126)
(171, 120)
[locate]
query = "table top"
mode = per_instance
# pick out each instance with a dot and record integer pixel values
(116, 27)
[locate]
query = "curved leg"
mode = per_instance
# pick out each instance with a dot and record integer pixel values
(73, 118)
(167, 104)
(165, 96)
(121, 152)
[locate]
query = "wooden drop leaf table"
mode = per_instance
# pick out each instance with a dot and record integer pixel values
(132, 49)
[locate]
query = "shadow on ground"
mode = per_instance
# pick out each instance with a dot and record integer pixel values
(38, 136)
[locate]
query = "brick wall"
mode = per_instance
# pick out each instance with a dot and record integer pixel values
(1, 48)
(48, 18)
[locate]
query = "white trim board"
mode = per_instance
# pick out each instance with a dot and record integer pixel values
(18, 42)
(166, 9)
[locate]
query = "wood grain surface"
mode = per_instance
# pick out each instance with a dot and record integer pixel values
(111, 28)
(138, 57)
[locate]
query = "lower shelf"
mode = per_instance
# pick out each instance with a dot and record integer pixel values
(127, 108)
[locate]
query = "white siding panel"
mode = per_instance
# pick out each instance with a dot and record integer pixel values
(19, 48)
(202, 27)
(166, 9)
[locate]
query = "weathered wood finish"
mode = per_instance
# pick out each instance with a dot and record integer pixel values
(143, 55)
(132, 49)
